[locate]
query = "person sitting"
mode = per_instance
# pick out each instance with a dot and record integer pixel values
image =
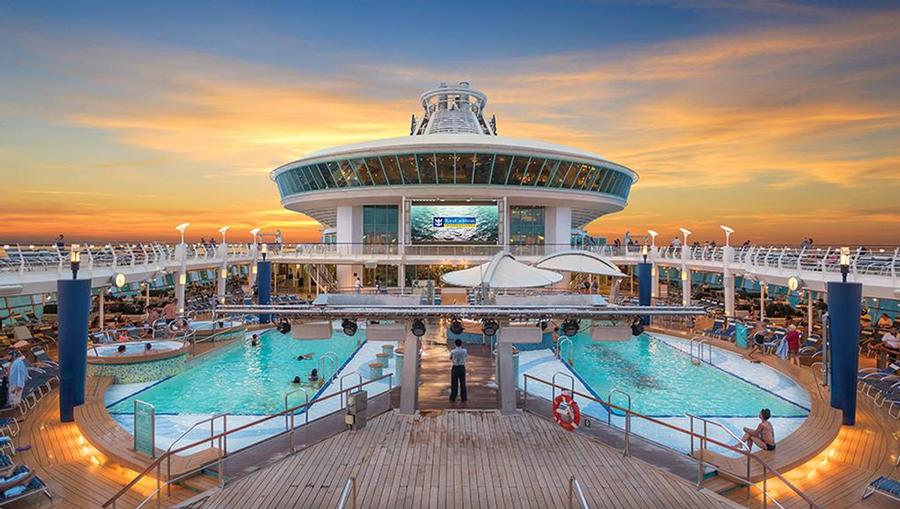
(891, 340)
(758, 339)
(122, 336)
(254, 340)
(121, 350)
(297, 380)
(12, 484)
(764, 434)
(305, 357)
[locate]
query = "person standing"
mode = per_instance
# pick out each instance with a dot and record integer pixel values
(18, 375)
(458, 371)
(357, 283)
(793, 342)
(169, 312)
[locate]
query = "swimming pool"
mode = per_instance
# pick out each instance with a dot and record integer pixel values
(133, 348)
(242, 380)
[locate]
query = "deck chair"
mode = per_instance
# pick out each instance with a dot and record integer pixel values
(19, 492)
(883, 486)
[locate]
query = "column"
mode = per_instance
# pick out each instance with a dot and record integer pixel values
(181, 277)
(728, 280)
(264, 288)
(349, 239)
(222, 281)
(654, 273)
(101, 307)
(507, 381)
(74, 307)
(844, 306)
(409, 388)
(644, 269)
(686, 276)
(558, 235)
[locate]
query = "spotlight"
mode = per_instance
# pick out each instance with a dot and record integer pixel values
(284, 327)
(349, 326)
(490, 327)
(418, 328)
(570, 327)
(542, 324)
(456, 327)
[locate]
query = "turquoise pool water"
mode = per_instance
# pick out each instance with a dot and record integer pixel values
(241, 379)
(663, 382)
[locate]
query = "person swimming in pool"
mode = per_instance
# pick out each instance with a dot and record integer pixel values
(764, 434)
(305, 357)
(297, 380)
(313, 377)
(121, 350)
(254, 340)
(148, 346)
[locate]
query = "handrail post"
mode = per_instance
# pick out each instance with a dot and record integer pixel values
(627, 429)
(353, 492)
(158, 486)
(221, 466)
(571, 492)
(765, 493)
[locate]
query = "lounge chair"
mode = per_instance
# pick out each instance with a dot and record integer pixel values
(41, 356)
(35, 486)
(883, 486)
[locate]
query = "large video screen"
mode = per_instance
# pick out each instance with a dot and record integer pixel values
(449, 223)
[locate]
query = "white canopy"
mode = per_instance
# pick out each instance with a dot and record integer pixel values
(580, 261)
(503, 271)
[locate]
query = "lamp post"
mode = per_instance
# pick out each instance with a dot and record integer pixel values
(685, 274)
(844, 307)
(654, 276)
(653, 235)
(181, 228)
(75, 260)
(845, 263)
(222, 280)
(264, 250)
(255, 233)
(727, 277)
(728, 231)
(181, 279)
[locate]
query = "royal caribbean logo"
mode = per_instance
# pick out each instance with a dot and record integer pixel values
(453, 222)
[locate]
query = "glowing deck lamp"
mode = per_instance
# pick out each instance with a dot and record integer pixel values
(728, 231)
(264, 250)
(653, 235)
(685, 232)
(644, 250)
(223, 230)
(119, 280)
(181, 228)
(845, 263)
(182, 278)
(255, 232)
(223, 273)
(75, 260)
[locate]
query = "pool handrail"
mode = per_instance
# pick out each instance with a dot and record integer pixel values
(616, 390)
(700, 341)
(333, 359)
(341, 383)
(567, 375)
(703, 446)
(349, 493)
(575, 493)
(156, 464)
(212, 421)
(295, 391)
(559, 344)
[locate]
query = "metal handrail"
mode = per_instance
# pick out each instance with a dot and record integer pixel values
(703, 441)
(575, 493)
(700, 341)
(341, 383)
(212, 422)
(287, 395)
(627, 415)
(333, 359)
(570, 377)
(157, 463)
(348, 493)
(559, 344)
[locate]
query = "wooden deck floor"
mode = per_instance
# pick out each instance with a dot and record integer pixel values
(434, 391)
(460, 459)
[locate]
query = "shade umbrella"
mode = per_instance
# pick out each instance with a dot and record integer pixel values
(584, 262)
(503, 271)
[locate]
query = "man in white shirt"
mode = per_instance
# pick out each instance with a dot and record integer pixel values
(458, 371)
(18, 375)
(357, 284)
(891, 340)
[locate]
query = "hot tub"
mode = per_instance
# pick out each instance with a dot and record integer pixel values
(138, 364)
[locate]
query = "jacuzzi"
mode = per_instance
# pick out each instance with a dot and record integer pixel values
(138, 364)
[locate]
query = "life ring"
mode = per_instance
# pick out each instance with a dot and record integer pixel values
(566, 412)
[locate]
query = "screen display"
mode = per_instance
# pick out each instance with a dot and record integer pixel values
(443, 223)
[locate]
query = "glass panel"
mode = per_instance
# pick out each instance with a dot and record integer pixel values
(349, 174)
(572, 175)
(501, 167)
(325, 171)
(604, 175)
(313, 170)
(589, 177)
(408, 165)
(518, 171)
(376, 171)
(481, 174)
(464, 163)
(560, 175)
(627, 190)
(380, 224)
(446, 169)
(531, 171)
(546, 172)
(427, 171)
(363, 171)
(299, 182)
(526, 225)
(336, 174)
(279, 180)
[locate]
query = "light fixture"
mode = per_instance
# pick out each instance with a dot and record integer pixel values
(653, 234)
(417, 328)
(223, 273)
(75, 259)
(119, 280)
(254, 232)
(644, 251)
(253, 269)
(794, 283)
(542, 324)
(570, 327)
(684, 275)
(349, 327)
(490, 327)
(182, 278)
(456, 327)
(223, 230)
(181, 228)
(685, 232)
(845, 263)
(264, 250)
(728, 231)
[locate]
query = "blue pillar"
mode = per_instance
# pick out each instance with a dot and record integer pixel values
(264, 288)
(844, 306)
(644, 271)
(74, 306)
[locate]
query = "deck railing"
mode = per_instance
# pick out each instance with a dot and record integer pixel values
(220, 442)
(704, 442)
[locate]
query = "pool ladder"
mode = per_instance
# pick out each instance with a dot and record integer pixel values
(609, 414)
(565, 340)
(698, 357)
(327, 359)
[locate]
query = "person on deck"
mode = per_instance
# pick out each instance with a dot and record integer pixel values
(764, 434)
(18, 375)
(458, 372)
(793, 342)
(891, 340)
(758, 339)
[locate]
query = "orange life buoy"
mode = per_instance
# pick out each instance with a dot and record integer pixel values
(566, 412)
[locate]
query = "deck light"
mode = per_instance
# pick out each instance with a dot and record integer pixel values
(490, 327)
(223, 230)
(845, 263)
(119, 280)
(456, 327)
(728, 231)
(542, 324)
(685, 232)
(181, 228)
(182, 278)
(254, 232)
(349, 327)
(653, 234)
(570, 327)
(264, 250)
(75, 260)
(223, 273)
(644, 251)
(417, 328)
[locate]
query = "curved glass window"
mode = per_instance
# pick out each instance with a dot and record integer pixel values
(453, 169)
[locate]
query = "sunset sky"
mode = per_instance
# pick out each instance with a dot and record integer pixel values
(779, 119)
